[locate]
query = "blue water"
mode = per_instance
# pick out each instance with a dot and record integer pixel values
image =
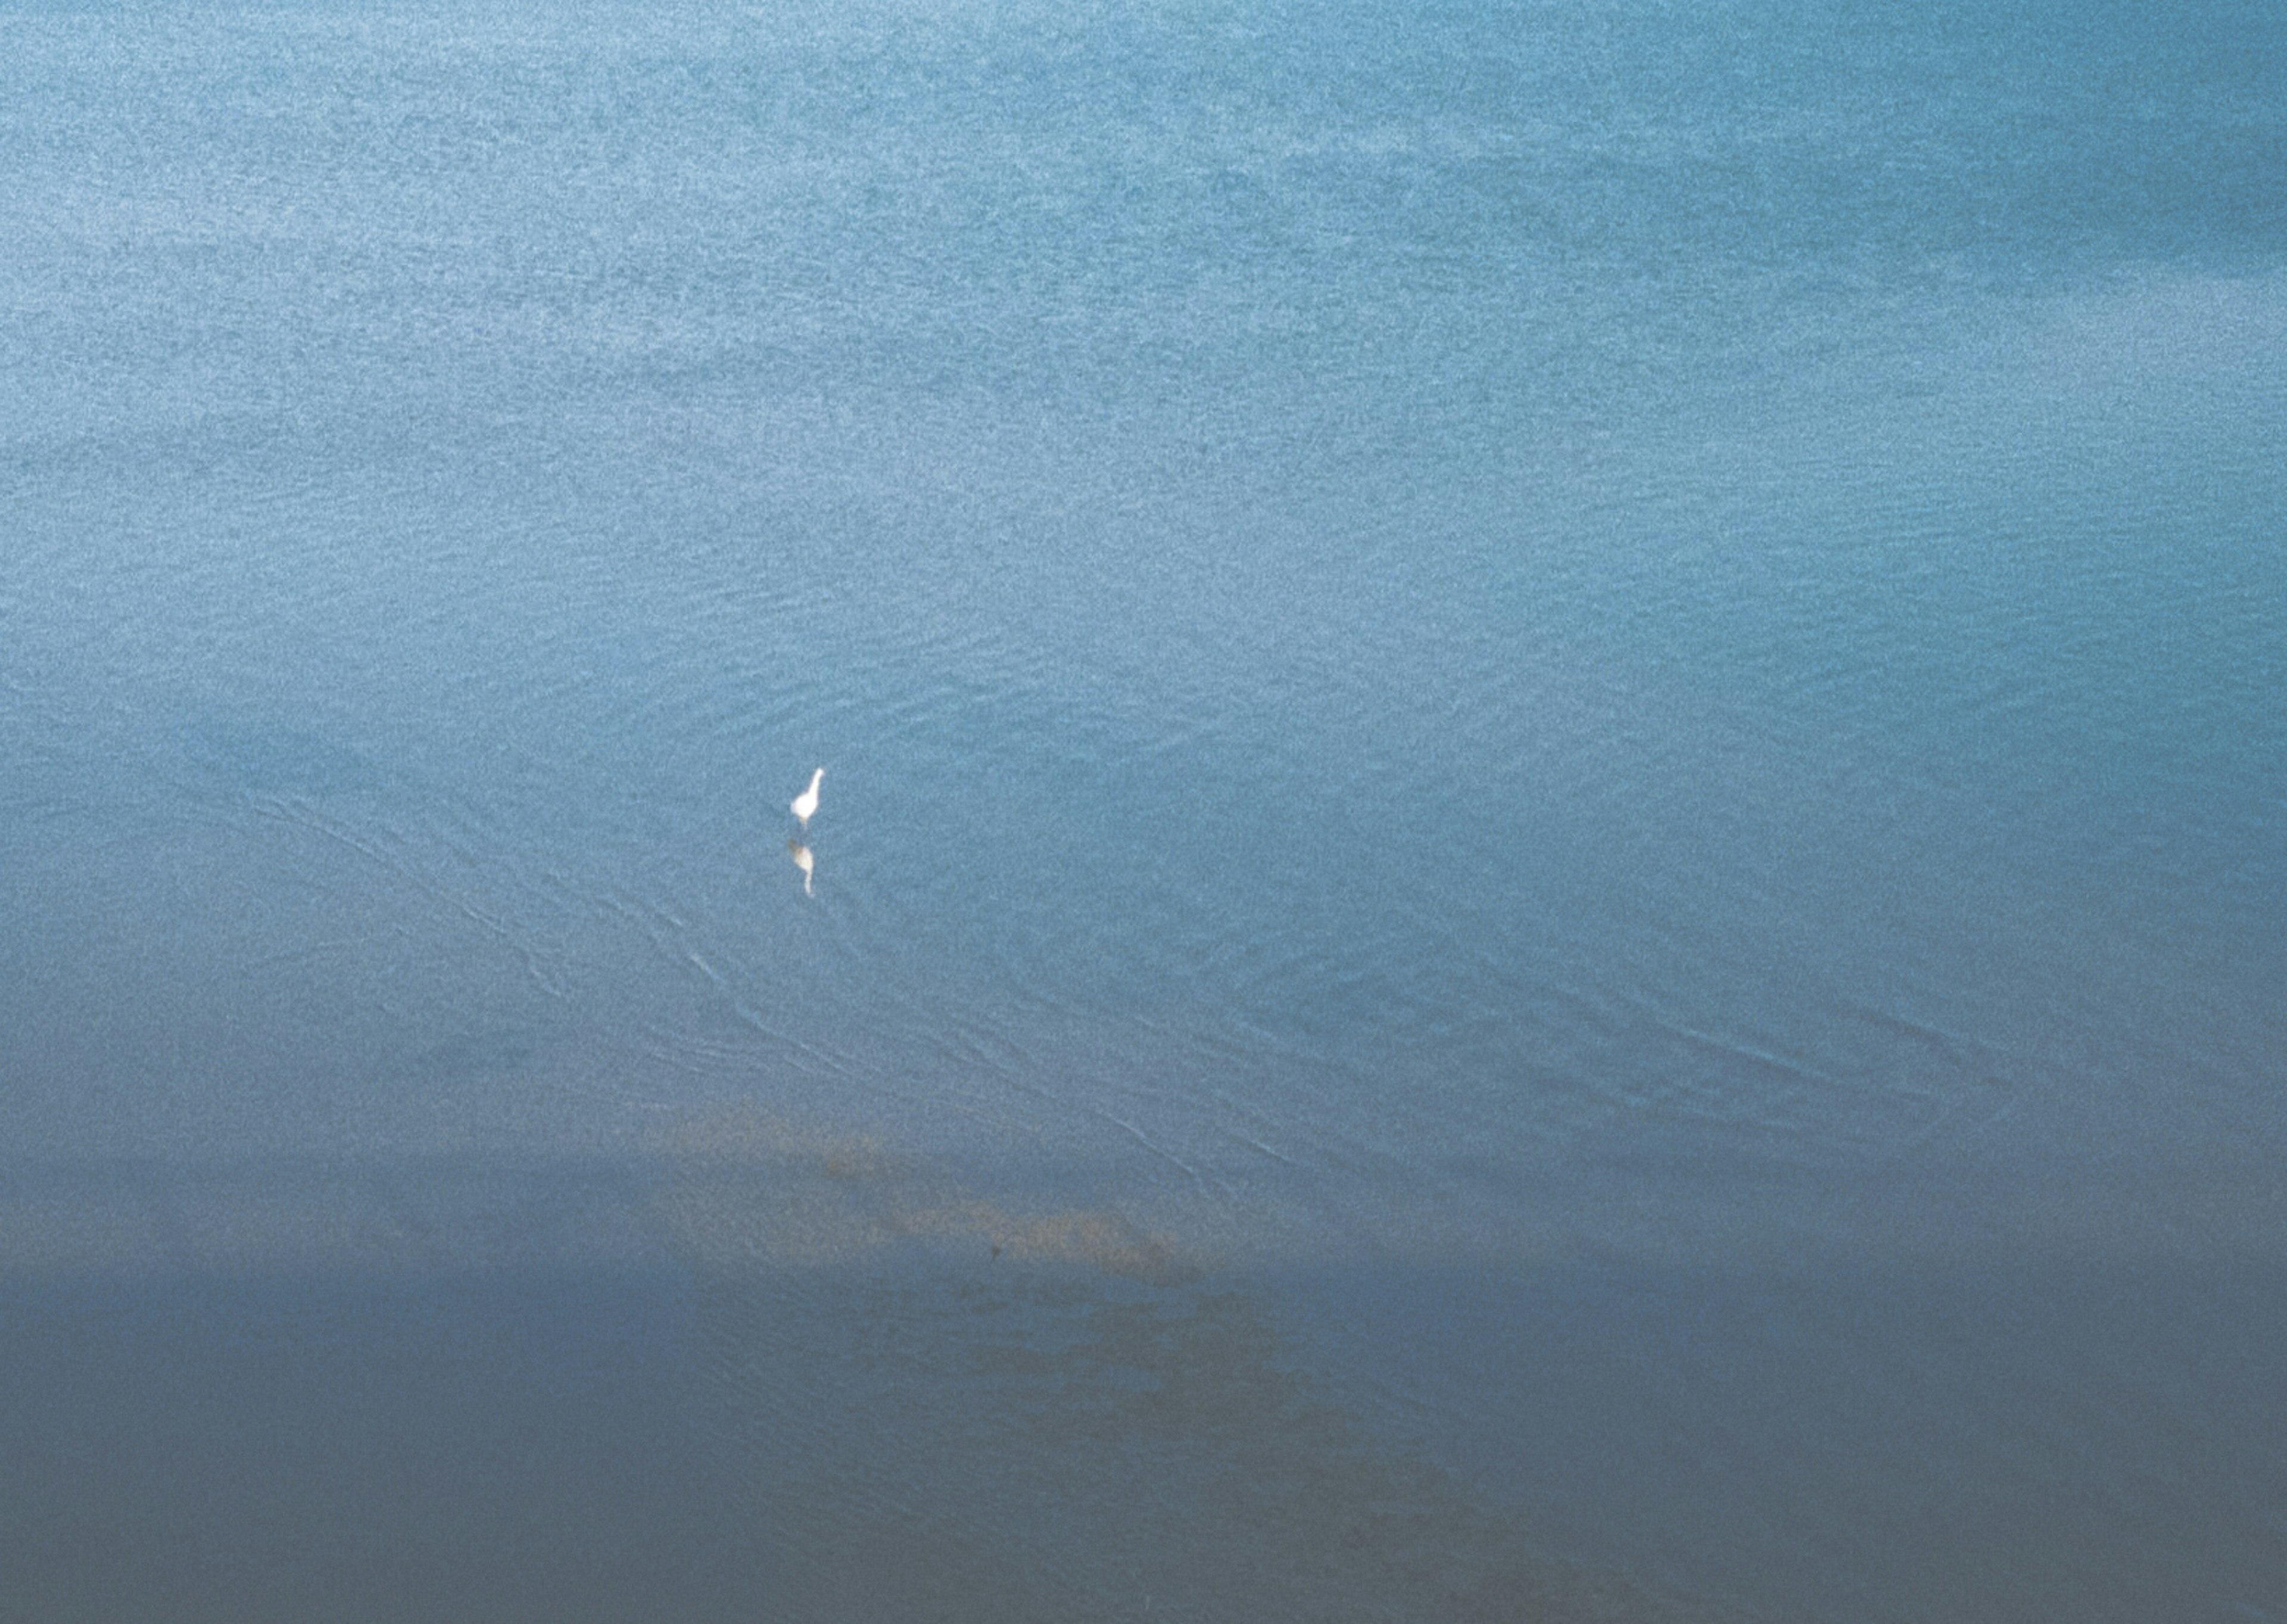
(1552, 858)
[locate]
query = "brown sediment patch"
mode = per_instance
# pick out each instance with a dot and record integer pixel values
(1062, 1409)
(747, 1186)
(1097, 1237)
(815, 1214)
(1076, 1449)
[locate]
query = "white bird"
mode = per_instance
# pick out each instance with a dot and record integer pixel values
(804, 861)
(806, 803)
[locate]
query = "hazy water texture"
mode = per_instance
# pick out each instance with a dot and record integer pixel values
(1551, 869)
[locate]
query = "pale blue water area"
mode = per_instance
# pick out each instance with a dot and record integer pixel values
(1552, 875)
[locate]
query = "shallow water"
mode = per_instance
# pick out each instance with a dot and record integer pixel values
(1549, 876)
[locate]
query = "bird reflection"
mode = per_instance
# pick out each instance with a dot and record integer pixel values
(804, 861)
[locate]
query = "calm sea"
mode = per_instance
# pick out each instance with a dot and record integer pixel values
(1552, 881)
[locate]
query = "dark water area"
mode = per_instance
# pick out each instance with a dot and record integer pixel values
(917, 1420)
(1550, 875)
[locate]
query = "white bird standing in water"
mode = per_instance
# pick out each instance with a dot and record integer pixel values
(806, 803)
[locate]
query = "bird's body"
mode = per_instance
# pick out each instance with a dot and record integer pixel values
(806, 803)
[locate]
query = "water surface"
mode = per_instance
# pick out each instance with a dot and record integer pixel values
(1550, 878)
